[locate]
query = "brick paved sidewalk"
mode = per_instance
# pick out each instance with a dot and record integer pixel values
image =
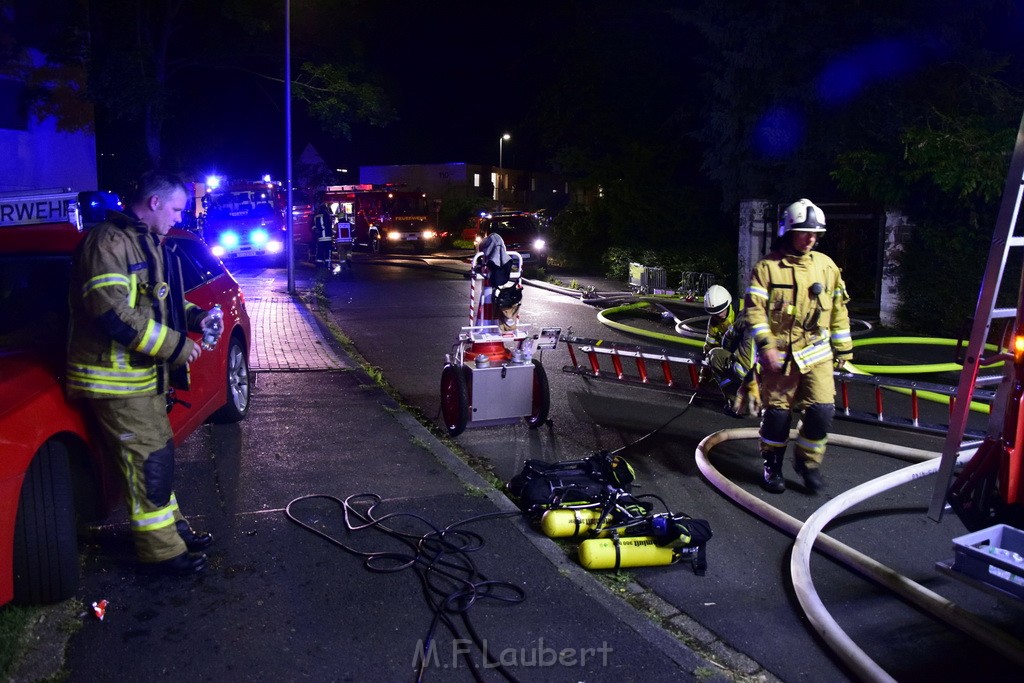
(285, 335)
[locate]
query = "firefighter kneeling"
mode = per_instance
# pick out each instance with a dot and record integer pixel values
(729, 355)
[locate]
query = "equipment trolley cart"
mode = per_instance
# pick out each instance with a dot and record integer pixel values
(492, 376)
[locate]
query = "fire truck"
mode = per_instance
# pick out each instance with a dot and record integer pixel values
(241, 218)
(384, 217)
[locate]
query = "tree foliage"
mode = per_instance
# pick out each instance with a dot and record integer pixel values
(162, 72)
(908, 106)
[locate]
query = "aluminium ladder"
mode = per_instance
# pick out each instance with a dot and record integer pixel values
(1003, 240)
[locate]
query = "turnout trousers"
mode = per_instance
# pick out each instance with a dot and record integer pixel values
(138, 435)
(814, 393)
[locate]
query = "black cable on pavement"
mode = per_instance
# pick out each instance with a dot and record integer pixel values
(654, 431)
(450, 581)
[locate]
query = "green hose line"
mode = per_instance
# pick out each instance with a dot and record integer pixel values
(976, 406)
(675, 339)
(914, 369)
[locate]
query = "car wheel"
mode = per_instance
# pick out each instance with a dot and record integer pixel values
(238, 386)
(541, 397)
(375, 244)
(454, 399)
(45, 542)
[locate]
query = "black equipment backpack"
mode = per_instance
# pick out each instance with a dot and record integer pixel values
(545, 485)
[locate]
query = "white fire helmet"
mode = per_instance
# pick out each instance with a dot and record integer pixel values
(717, 299)
(802, 216)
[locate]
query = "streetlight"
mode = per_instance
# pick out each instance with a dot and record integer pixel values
(501, 141)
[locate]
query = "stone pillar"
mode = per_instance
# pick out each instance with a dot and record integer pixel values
(755, 234)
(897, 232)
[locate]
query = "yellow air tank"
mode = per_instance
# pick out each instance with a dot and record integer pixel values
(632, 551)
(569, 523)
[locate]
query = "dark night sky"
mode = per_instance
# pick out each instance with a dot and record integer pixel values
(459, 74)
(458, 77)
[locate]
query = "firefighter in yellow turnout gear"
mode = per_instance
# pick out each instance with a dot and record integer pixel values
(127, 347)
(796, 307)
(729, 354)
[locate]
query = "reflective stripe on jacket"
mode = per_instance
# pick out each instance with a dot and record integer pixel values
(783, 310)
(323, 224)
(717, 330)
(128, 318)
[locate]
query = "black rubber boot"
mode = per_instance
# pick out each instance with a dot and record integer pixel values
(194, 540)
(773, 480)
(812, 476)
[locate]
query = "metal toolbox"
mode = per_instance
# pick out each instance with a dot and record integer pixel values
(500, 393)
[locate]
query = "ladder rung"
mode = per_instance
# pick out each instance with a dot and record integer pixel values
(1003, 313)
(1016, 241)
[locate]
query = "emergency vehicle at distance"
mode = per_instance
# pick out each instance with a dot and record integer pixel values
(242, 218)
(384, 217)
(522, 232)
(53, 474)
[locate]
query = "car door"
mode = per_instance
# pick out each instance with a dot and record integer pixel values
(201, 272)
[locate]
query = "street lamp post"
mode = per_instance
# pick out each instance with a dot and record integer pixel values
(501, 142)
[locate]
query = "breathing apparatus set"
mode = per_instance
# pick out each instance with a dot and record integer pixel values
(591, 499)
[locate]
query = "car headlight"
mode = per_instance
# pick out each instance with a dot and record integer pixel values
(229, 239)
(274, 247)
(394, 235)
(539, 244)
(217, 250)
(429, 234)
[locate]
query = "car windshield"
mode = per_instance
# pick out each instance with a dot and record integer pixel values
(34, 301)
(514, 224)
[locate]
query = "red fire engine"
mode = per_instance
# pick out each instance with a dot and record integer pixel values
(383, 217)
(241, 218)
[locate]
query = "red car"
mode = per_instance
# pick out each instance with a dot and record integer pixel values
(52, 472)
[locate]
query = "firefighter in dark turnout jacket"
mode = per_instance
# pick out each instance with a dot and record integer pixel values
(796, 307)
(323, 233)
(126, 349)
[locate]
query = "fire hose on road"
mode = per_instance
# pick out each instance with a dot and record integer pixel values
(809, 534)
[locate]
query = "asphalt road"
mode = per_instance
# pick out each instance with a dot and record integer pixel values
(404, 320)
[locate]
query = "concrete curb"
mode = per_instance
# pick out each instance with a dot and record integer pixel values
(731, 664)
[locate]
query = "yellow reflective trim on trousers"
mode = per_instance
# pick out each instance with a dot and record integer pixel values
(152, 338)
(151, 521)
(812, 446)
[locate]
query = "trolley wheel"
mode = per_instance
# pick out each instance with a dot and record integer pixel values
(454, 399)
(541, 396)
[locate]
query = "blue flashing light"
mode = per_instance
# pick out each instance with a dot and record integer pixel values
(849, 75)
(259, 237)
(229, 239)
(779, 132)
(212, 182)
